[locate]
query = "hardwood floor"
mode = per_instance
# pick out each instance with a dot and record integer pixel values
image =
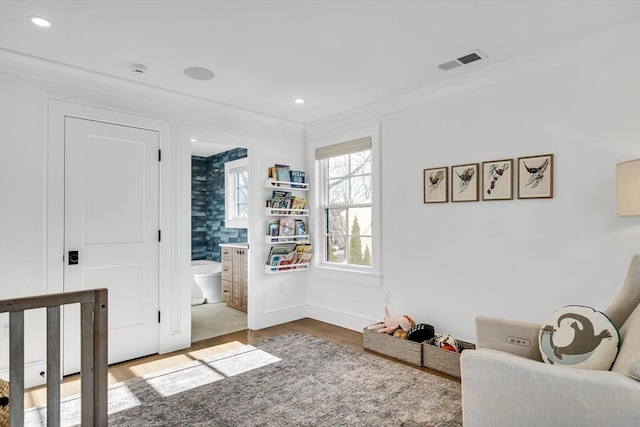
(133, 368)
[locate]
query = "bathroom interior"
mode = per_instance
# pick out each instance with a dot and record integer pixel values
(219, 207)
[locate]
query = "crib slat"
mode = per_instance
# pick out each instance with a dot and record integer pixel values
(86, 362)
(53, 366)
(16, 359)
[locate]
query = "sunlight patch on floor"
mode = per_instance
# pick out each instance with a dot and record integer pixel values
(213, 368)
(210, 365)
(37, 396)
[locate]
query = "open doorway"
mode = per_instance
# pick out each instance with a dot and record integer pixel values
(219, 226)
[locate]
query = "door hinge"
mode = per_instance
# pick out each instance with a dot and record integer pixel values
(159, 235)
(159, 155)
(158, 316)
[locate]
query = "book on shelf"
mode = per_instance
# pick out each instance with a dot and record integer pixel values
(286, 260)
(280, 250)
(298, 203)
(297, 176)
(303, 258)
(287, 256)
(277, 253)
(301, 229)
(303, 247)
(283, 173)
(272, 173)
(287, 228)
(280, 201)
(273, 230)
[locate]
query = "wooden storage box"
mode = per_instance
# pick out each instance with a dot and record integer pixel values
(398, 348)
(444, 361)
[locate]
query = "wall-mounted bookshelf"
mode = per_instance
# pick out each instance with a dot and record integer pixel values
(287, 225)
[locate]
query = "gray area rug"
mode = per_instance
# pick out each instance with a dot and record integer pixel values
(289, 380)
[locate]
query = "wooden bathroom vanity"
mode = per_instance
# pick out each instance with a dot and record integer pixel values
(234, 274)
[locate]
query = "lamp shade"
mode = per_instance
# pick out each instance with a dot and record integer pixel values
(628, 188)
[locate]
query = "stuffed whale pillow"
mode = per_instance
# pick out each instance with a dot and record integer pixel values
(579, 337)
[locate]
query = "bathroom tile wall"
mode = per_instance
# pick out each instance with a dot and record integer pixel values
(207, 206)
(199, 192)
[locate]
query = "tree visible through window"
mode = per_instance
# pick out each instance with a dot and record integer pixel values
(347, 208)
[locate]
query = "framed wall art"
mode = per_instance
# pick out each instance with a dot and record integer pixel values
(464, 183)
(497, 180)
(535, 177)
(436, 183)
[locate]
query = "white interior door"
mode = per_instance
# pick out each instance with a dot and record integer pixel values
(112, 221)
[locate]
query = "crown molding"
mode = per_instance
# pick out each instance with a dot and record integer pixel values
(621, 38)
(21, 64)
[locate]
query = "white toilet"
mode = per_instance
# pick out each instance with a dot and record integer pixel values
(206, 286)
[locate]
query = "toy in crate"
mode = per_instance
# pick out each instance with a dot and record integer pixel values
(392, 323)
(380, 338)
(442, 353)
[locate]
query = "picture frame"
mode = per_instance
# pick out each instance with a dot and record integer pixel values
(535, 177)
(436, 185)
(497, 180)
(465, 183)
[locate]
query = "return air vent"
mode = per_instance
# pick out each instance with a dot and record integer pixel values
(463, 60)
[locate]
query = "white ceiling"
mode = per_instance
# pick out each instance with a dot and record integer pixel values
(338, 55)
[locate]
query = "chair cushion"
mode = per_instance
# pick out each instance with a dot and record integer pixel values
(628, 361)
(579, 337)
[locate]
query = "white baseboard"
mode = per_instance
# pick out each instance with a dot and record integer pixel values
(280, 316)
(343, 319)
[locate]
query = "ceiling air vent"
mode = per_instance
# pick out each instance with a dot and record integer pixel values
(463, 60)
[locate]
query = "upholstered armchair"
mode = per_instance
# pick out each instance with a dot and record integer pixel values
(505, 382)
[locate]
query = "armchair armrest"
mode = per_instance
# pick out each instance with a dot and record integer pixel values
(501, 389)
(511, 336)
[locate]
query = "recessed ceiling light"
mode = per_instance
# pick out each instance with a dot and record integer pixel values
(40, 21)
(193, 140)
(199, 73)
(299, 101)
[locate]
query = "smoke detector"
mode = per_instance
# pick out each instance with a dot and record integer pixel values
(138, 68)
(473, 56)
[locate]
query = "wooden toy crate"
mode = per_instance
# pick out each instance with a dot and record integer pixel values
(444, 361)
(398, 348)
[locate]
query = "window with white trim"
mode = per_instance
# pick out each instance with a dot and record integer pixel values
(348, 205)
(237, 193)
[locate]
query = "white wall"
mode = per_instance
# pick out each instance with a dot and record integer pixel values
(444, 264)
(25, 88)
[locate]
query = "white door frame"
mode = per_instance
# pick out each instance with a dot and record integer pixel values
(254, 154)
(172, 327)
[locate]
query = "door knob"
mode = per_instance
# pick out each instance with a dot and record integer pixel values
(73, 257)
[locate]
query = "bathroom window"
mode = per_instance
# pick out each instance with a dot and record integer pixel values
(237, 193)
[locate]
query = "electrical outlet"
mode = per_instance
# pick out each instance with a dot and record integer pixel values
(386, 298)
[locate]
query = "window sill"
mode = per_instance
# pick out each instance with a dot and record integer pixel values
(362, 278)
(236, 223)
